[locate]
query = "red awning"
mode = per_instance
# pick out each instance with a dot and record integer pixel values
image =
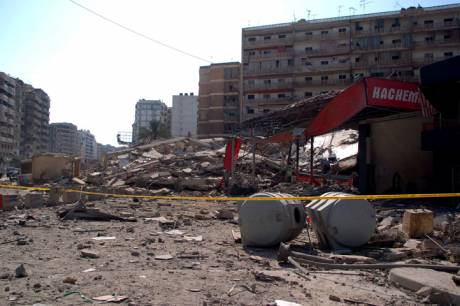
(366, 93)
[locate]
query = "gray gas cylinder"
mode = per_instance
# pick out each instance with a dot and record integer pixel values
(342, 224)
(269, 222)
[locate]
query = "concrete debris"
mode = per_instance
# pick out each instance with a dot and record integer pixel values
(20, 271)
(443, 289)
(89, 254)
(417, 222)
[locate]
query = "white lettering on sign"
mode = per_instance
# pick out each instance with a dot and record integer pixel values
(393, 94)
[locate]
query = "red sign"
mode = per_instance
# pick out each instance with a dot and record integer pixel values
(394, 94)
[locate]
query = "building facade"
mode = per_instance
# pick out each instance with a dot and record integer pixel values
(104, 149)
(64, 138)
(146, 112)
(184, 115)
(35, 105)
(9, 120)
(88, 145)
(282, 63)
(219, 99)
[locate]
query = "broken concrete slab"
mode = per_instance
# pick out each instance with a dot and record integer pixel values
(89, 254)
(415, 279)
(417, 222)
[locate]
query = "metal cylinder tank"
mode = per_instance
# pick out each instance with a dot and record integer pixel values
(269, 222)
(342, 224)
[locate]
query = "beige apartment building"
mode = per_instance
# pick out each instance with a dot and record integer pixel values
(282, 63)
(219, 99)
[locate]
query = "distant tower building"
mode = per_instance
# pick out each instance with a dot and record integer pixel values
(9, 121)
(218, 99)
(184, 117)
(35, 107)
(146, 112)
(88, 145)
(64, 138)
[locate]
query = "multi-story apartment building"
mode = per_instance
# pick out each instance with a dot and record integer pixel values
(9, 120)
(104, 149)
(218, 99)
(184, 116)
(88, 145)
(286, 62)
(35, 105)
(146, 112)
(64, 138)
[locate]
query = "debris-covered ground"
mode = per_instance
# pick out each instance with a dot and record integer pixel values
(176, 253)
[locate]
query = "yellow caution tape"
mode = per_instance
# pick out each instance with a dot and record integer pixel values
(304, 198)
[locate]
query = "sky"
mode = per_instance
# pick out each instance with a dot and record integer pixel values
(95, 72)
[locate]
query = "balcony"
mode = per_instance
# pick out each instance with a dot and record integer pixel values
(437, 43)
(315, 69)
(320, 83)
(328, 36)
(286, 85)
(324, 51)
(7, 90)
(269, 71)
(382, 63)
(275, 54)
(267, 43)
(381, 48)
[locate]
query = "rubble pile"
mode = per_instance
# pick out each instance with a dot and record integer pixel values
(181, 164)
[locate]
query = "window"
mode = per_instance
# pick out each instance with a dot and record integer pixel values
(267, 37)
(308, 94)
(357, 59)
(251, 97)
(342, 76)
(448, 54)
(395, 57)
(281, 95)
(307, 49)
(281, 36)
(379, 25)
(429, 56)
(429, 39)
(307, 63)
(251, 39)
(325, 32)
(396, 41)
(324, 62)
(377, 74)
(267, 52)
(324, 78)
(447, 37)
(266, 97)
(249, 110)
(428, 23)
(358, 27)
(252, 52)
(342, 30)
(267, 81)
(290, 62)
(266, 110)
(308, 79)
(308, 33)
(381, 42)
(395, 23)
(448, 21)
(281, 81)
(251, 82)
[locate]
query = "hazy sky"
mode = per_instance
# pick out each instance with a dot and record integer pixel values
(95, 72)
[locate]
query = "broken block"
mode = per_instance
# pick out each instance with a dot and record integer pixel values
(34, 200)
(417, 222)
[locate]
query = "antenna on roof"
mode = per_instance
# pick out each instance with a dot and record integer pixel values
(340, 8)
(293, 15)
(308, 14)
(352, 10)
(363, 3)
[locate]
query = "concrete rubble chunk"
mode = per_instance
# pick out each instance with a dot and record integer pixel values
(89, 254)
(225, 214)
(415, 279)
(20, 271)
(417, 222)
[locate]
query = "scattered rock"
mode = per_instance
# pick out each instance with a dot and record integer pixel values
(135, 253)
(224, 214)
(70, 280)
(89, 254)
(21, 271)
(334, 298)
